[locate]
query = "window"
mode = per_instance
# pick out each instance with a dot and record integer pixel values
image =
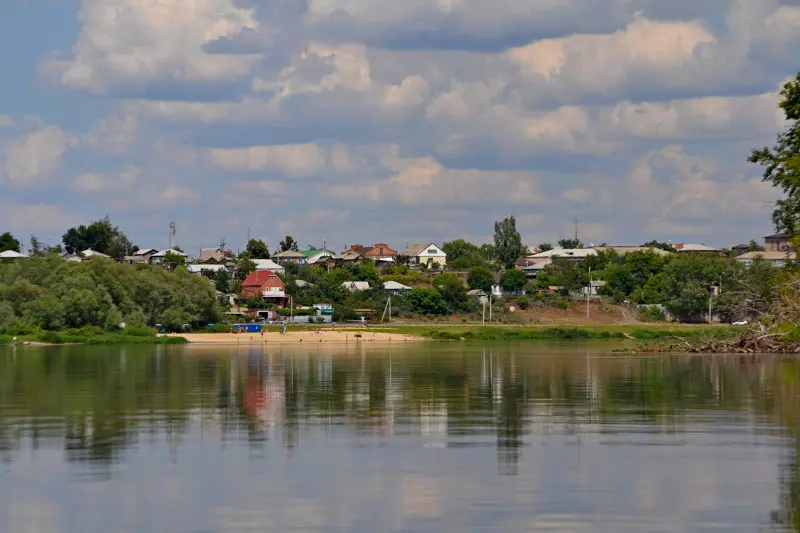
(432, 251)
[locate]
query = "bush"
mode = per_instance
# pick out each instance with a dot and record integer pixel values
(562, 303)
(523, 302)
(139, 331)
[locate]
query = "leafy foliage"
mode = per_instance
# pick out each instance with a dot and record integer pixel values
(782, 162)
(545, 247)
(480, 278)
(101, 236)
(288, 243)
(52, 294)
(513, 280)
(257, 249)
(8, 242)
(507, 242)
(570, 244)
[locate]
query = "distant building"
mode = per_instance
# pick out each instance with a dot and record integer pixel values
(290, 256)
(780, 242)
(694, 248)
(379, 252)
(426, 255)
(266, 285)
(356, 286)
(776, 259)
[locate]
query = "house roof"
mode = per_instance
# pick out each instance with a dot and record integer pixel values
(395, 286)
(290, 254)
(779, 236)
(767, 256)
(350, 256)
(146, 251)
(356, 285)
(135, 259)
(209, 254)
(417, 249)
(163, 253)
(257, 278)
(91, 253)
(303, 283)
(267, 264)
(476, 292)
(196, 269)
(578, 253)
(622, 250)
(695, 247)
(11, 254)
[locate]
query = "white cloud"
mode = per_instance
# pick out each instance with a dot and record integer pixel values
(119, 181)
(177, 194)
(32, 158)
(124, 43)
(303, 160)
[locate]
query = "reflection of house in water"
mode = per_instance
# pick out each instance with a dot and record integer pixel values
(263, 394)
(433, 419)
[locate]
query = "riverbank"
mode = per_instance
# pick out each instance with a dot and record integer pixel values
(589, 332)
(58, 338)
(295, 336)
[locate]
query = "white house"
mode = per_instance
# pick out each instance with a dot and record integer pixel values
(427, 255)
(268, 264)
(158, 258)
(11, 254)
(89, 253)
(314, 256)
(395, 287)
(776, 259)
(199, 268)
(356, 286)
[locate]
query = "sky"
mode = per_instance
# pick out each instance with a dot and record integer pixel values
(363, 121)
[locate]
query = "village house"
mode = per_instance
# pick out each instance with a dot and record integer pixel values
(695, 248)
(268, 264)
(356, 286)
(426, 255)
(538, 262)
(11, 254)
(380, 252)
(213, 256)
(158, 258)
(312, 257)
(199, 268)
(266, 285)
(625, 250)
(775, 258)
(780, 242)
(290, 256)
(393, 287)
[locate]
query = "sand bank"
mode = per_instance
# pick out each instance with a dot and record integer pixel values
(295, 337)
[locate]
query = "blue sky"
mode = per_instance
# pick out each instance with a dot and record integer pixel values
(367, 121)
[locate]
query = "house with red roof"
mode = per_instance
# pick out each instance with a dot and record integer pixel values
(265, 284)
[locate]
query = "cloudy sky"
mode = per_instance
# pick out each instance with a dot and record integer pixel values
(369, 120)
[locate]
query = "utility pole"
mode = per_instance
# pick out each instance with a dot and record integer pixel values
(490, 307)
(291, 310)
(588, 290)
(483, 318)
(710, 299)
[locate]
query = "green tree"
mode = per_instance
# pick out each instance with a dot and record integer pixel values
(36, 247)
(101, 236)
(172, 260)
(453, 291)
(480, 278)
(244, 266)
(288, 243)
(513, 280)
(427, 302)
(661, 246)
(545, 247)
(753, 246)
(507, 241)
(257, 249)
(8, 242)
(459, 248)
(782, 162)
(570, 244)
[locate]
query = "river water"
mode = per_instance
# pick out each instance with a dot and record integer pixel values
(427, 437)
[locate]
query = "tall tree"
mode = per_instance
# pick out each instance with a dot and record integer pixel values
(782, 163)
(507, 241)
(480, 278)
(36, 247)
(8, 242)
(545, 247)
(667, 247)
(257, 249)
(288, 244)
(101, 236)
(458, 248)
(244, 266)
(570, 244)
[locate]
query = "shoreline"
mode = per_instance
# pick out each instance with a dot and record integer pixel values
(296, 337)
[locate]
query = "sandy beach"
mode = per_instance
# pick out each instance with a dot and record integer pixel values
(296, 337)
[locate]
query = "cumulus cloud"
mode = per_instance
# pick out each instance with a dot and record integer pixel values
(423, 117)
(31, 158)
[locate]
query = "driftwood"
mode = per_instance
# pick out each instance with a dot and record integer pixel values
(745, 343)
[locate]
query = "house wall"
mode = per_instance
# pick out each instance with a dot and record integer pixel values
(777, 245)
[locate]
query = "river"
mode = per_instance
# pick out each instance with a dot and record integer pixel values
(424, 437)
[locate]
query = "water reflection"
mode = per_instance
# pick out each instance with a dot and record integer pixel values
(278, 439)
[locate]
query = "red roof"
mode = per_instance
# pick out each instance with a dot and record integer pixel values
(257, 278)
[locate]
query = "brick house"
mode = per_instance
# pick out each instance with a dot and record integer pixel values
(379, 252)
(780, 242)
(266, 285)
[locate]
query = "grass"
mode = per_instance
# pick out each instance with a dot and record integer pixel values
(79, 337)
(560, 332)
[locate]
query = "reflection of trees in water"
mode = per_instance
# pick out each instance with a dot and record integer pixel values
(104, 403)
